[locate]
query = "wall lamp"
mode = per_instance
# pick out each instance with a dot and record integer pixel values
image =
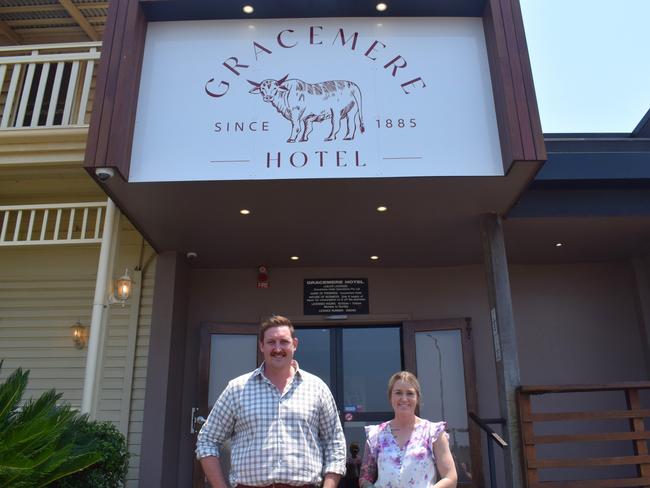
(121, 289)
(79, 335)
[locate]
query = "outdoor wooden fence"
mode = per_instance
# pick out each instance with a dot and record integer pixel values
(634, 416)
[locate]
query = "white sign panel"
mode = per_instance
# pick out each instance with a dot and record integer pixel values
(315, 98)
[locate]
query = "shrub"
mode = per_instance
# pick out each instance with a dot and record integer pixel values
(40, 442)
(110, 471)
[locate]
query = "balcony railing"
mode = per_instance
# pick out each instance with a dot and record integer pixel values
(602, 443)
(47, 85)
(67, 223)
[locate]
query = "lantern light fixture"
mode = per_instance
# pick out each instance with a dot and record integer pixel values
(121, 289)
(79, 335)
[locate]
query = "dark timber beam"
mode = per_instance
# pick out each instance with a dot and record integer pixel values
(8, 32)
(520, 129)
(505, 341)
(116, 95)
(79, 18)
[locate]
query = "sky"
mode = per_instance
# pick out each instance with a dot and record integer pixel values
(590, 62)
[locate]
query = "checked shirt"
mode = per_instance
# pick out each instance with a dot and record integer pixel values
(292, 438)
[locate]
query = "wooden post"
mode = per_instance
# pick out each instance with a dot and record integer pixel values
(505, 342)
(528, 438)
(163, 404)
(637, 425)
(640, 267)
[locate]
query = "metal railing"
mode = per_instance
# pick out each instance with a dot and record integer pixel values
(46, 85)
(492, 437)
(68, 223)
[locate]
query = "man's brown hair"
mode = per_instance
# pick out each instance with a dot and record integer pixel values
(275, 321)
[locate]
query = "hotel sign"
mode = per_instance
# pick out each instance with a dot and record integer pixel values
(315, 98)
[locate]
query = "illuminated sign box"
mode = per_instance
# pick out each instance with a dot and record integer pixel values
(315, 98)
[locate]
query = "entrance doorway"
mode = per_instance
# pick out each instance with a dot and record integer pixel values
(355, 361)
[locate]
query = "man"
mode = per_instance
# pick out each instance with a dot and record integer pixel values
(353, 467)
(282, 422)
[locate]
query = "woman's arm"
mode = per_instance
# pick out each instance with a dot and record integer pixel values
(368, 473)
(444, 463)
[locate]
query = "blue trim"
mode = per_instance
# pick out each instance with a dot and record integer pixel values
(596, 166)
(584, 203)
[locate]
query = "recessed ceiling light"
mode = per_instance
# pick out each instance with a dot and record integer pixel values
(374, 258)
(244, 211)
(381, 7)
(295, 258)
(248, 9)
(382, 208)
(558, 244)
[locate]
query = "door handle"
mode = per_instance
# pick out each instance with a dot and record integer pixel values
(197, 421)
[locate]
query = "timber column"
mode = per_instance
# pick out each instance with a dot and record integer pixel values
(505, 341)
(162, 427)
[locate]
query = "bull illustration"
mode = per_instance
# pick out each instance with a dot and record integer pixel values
(305, 103)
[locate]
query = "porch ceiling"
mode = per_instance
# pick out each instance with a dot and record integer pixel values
(48, 21)
(584, 239)
(430, 222)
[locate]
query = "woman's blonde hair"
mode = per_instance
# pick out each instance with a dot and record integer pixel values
(407, 377)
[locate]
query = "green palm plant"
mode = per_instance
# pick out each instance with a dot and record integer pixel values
(42, 441)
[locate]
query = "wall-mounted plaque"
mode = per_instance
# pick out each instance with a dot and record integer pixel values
(324, 296)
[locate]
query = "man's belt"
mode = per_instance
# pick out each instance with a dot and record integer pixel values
(276, 485)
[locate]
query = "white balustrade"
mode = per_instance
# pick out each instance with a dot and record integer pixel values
(46, 85)
(66, 223)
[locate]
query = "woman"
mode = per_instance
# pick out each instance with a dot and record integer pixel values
(404, 452)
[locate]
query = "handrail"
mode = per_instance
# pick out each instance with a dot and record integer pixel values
(47, 85)
(63, 223)
(494, 437)
(61, 46)
(483, 424)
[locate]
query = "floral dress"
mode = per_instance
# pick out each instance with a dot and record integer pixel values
(413, 466)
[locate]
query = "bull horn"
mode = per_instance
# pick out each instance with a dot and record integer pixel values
(256, 85)
(283, 79)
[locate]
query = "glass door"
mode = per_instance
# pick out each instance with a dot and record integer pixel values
(439, 352)
(356, 363)
(226, 351)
